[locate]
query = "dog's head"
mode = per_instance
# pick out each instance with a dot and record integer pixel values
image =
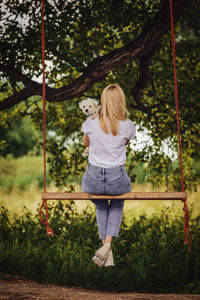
(88, 105)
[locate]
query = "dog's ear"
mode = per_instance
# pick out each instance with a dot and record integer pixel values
(95, 102)
(80, 105)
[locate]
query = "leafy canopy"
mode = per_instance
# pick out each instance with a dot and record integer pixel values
(90, 44)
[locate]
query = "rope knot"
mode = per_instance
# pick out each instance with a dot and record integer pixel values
(50, 232)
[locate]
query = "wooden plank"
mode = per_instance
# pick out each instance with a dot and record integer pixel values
(127, 196)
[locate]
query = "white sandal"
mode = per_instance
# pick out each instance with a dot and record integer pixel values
(98, 261)
(102, 253)
(109, 262)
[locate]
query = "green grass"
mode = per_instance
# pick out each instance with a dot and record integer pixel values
(20, 173)
(149, 254)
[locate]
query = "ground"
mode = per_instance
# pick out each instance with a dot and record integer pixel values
(19, 288)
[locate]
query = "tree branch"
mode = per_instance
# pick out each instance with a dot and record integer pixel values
(145, 74)
(144, 77)
(59, 55)
(16, 98)
(19, 76)
(142, 48)
(31, 88)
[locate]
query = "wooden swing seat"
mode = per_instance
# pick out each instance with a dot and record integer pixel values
(127, 196)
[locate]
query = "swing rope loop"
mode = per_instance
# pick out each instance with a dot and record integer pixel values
(185, 208)
(50, 232)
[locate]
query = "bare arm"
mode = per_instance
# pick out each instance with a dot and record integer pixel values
(127, 141)
(86, 140)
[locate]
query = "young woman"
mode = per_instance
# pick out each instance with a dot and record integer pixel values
(107, 137)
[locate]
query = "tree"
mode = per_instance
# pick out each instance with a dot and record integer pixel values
(96, 58)
(91, 44)
(20, 137)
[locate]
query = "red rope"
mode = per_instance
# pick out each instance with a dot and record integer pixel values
(50, 232)
(44, 96)
(185, 208)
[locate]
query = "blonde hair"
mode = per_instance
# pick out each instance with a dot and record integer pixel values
(113, 108)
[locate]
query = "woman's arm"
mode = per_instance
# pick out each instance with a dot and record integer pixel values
(127, 141)
(86, 140)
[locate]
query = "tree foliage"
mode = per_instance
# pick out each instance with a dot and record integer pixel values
(19, 137)
(90, 44)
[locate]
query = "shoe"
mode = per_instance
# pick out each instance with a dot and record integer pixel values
(109, 262)
(102, 253)
(98, 261)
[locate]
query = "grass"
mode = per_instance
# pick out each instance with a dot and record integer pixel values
(20, 173)
(150, 255)
(21, 182)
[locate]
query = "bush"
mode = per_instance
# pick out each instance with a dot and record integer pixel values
(149, 254)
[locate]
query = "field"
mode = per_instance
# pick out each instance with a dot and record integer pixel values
(21, 182)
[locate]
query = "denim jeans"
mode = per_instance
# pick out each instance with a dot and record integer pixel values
(108, 181)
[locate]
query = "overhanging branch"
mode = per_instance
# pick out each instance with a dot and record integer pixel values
(141, 48)
(19, 76)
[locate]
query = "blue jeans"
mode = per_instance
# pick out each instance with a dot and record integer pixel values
(107, 181)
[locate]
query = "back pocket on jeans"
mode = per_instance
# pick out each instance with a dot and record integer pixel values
(121, 185)
(88, 183)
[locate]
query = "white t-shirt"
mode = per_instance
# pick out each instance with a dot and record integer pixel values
(107, 150)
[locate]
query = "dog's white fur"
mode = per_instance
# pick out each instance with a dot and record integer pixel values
(89, 107)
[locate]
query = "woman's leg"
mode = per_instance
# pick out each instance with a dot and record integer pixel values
(117, 183)
(108, 239)
(104, 255)
(114, 219)
(102, 210)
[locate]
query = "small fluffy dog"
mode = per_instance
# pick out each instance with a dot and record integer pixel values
(91, 108)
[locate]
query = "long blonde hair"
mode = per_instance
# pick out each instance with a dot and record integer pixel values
(113, 108)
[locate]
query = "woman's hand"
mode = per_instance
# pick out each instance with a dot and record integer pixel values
(86, 140)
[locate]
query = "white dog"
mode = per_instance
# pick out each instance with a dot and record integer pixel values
(91, 108)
